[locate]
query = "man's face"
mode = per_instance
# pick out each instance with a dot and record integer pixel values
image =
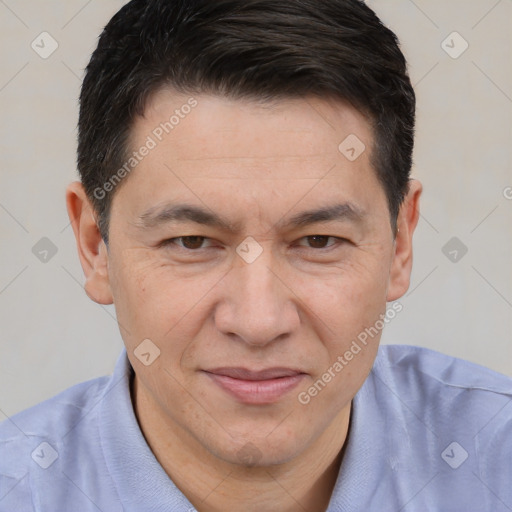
(295, 295)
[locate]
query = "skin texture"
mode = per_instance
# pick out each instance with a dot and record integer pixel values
(300, 304)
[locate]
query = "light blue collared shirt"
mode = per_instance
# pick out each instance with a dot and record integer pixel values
(428, 432)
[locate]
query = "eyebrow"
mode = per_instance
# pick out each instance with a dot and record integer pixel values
(156, 216)
(337, 212)
(159, 215)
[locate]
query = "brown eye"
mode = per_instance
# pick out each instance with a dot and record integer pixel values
(318, 241)
(192, 242)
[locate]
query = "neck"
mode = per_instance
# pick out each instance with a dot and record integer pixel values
(304, 483)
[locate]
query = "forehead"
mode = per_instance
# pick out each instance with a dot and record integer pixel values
(206, 146)
(227, 129)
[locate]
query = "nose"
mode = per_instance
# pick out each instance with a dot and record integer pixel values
(258, 305)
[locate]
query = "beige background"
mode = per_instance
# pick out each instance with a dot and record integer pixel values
(53, 336)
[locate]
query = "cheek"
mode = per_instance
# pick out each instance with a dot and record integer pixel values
(348, 310)
(140, 295)
(152, 303)
(350, 296)
(347, 307)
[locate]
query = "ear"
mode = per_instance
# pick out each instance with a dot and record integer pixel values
(401, 266)
(92, 250)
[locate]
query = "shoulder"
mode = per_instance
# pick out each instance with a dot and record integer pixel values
(54, 415)
(414, 366)
(464, 408)
(442, 387)
(31, 440)
(452, 415)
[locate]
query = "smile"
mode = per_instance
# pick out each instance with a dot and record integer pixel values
(264, 387)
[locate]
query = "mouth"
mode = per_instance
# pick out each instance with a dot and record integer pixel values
(256, 387)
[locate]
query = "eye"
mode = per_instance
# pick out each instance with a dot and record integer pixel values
(190, 243)
(321, 241)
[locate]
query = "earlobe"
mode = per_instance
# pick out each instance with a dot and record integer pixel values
(401, 266)
(92, 250)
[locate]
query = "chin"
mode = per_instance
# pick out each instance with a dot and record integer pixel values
(254, 451)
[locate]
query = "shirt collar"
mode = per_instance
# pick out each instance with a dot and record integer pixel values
(141, 482)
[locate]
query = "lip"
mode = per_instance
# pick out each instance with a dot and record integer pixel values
(256, 387)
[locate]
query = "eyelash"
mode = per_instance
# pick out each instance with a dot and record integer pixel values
(172, 241)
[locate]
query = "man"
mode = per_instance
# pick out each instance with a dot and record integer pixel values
(246, 203)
